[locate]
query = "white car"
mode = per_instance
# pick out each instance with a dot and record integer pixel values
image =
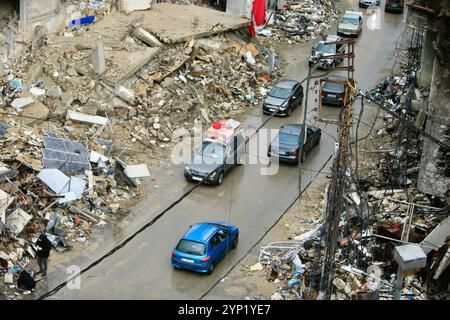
(369, 3)
(350, 24)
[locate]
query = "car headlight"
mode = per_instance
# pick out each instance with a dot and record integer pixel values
(187, 168)
(212, 176)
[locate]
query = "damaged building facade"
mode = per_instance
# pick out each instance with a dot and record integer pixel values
(434, 18)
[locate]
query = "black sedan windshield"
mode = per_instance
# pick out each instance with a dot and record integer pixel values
(191, 247)
(212, 150)
(281, 93)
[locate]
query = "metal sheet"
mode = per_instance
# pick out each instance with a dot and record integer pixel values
(54, 179)
(437, 238)
(17, 220)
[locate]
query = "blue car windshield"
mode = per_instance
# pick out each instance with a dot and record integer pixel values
(281, 93)
(288, 138)
(348, 20)
(191, 247)
(212, 150)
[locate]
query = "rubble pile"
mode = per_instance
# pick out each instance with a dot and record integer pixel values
(300, 21)
(76, 137)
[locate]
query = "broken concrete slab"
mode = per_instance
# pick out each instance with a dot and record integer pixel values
(20, 103)
(133, 5)
(37, 92)
(54, 91)
(437, 238)
(35, 113)
(83, 42)
(137, 171)
(182, 26)
(5, 202)
(127, 63)
(85, 118)
(147, 37)
(98, 56)
(17, 220)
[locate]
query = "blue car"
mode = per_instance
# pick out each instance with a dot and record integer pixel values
(204, 246)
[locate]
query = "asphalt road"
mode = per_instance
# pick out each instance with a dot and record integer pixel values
(253, 202)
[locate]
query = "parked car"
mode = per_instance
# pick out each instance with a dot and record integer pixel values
(350, 24)
(332, 93)
(322, 49)
(218, 154)
(284, 97)
(368, 3)
(204, 245)
(286, 145)
(396, 6)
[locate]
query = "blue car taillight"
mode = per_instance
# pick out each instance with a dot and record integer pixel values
(205, 259)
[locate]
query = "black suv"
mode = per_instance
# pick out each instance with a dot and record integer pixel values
(286, 145)
(284, 97)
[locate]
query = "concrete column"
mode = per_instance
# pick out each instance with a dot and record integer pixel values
(398, 284)
(23, 16)
(241, 8)
(427, 60)
(98, 56)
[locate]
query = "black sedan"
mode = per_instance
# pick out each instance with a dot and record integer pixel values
(284, 98)
(286, 145)
(333, 93)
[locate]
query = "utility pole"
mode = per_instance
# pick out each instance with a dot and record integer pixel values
(303, 133)
(334, 206)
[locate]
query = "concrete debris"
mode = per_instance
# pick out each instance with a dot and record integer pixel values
(257, 267)
(147, 37)
(85, 118)
(20, 103)
(132, 5)
(17, 221)
(301, 20)
(137, 171)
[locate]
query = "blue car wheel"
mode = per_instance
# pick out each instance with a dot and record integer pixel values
(212, 266)
(235, 242)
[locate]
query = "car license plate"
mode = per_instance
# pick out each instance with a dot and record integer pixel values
(187, 260)
(197, 178)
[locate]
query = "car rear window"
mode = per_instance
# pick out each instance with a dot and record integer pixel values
(191, 247)
(333, 86)
(288, 138)
(349, 20)
(281, 93)
(212, 150)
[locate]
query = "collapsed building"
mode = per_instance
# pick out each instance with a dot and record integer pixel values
(86, 108)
